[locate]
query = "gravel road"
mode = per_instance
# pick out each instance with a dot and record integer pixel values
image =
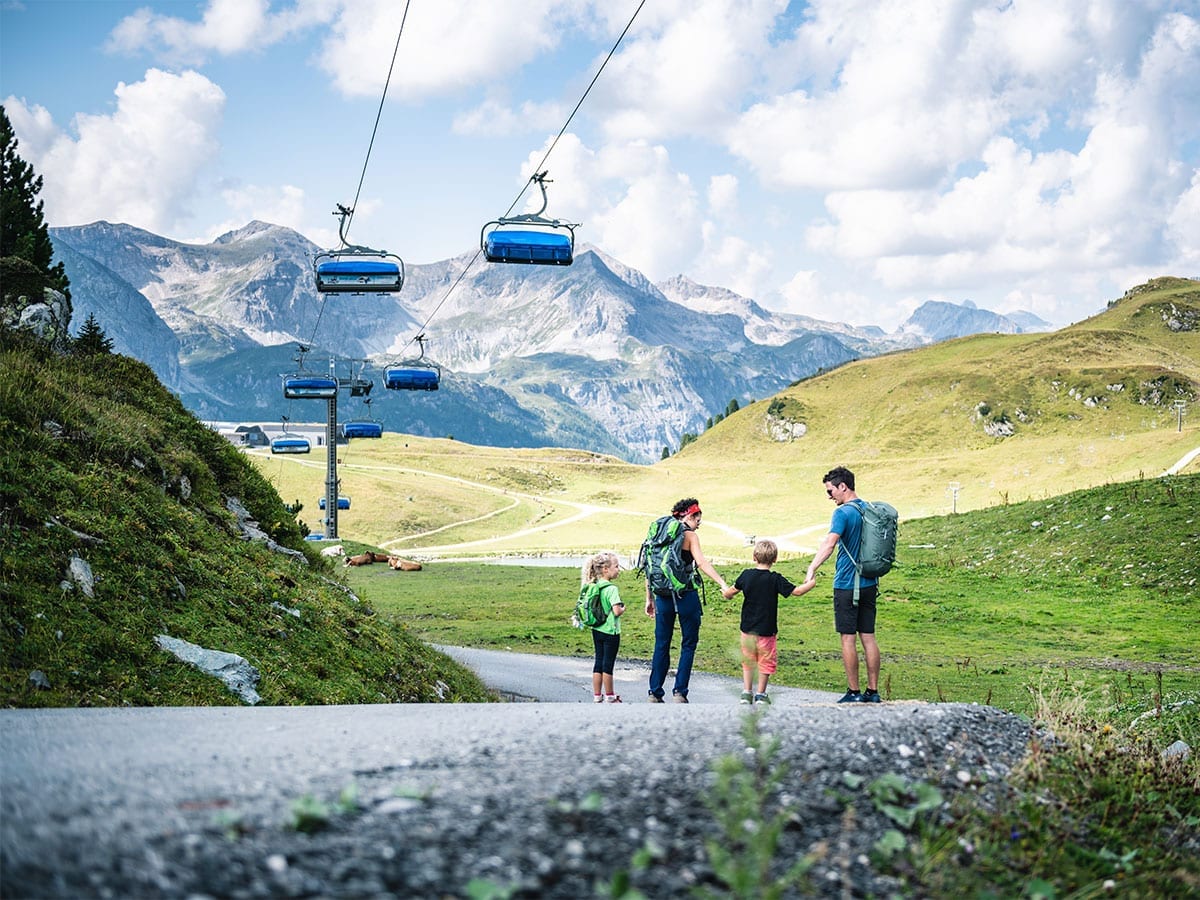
(536, 799)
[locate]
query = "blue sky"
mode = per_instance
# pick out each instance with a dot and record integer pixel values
(844, 159)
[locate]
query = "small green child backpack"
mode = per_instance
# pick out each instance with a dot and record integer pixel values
(589, 608)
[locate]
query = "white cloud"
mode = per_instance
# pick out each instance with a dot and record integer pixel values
(806, 294)
(445, 46)
(494, 118)
(654, 223)
(138, 165)
(684, 67)
(226, 27)
(723, 195)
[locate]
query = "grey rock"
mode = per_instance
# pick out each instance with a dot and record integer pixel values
(39, 680)
(80, 574)
(238, 675)
(1178, 750)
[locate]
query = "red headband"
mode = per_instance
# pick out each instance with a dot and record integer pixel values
(694, 508)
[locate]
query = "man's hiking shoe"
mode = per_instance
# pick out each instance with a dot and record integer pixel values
(870, 696)
(747, 698)
(654, 698)
(614, 698)
(762, 700)
(851, 697)
(679, 698)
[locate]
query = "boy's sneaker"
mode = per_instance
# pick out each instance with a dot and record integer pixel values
(851, 697)
(870, 696)
(747, 698)
(762, 700)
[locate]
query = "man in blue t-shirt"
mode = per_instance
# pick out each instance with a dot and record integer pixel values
(854, 621)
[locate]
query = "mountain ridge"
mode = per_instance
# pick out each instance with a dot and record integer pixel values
(251, 289)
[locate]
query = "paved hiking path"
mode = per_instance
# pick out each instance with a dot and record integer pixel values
(535, 799)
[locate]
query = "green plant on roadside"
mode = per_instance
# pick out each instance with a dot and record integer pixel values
(744, 856)
(309, 814)
(1093, 808)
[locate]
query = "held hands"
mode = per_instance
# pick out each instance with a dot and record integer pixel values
(729, 592)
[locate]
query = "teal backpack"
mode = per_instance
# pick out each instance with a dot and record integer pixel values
(877, 543)
(589, 608)
(661, 558)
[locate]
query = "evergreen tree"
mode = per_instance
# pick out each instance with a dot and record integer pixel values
(23, 231)
(92, 340)
(666, 452)
(732, 407)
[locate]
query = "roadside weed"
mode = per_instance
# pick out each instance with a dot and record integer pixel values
(744, 857)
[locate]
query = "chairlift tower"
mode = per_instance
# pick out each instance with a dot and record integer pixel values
(1180, 405)
(331, 475)
(955, 487)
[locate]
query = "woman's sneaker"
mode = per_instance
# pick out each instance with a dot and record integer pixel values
(747, 698)
(679, 698)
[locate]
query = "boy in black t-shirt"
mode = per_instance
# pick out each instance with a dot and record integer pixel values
(762, 589)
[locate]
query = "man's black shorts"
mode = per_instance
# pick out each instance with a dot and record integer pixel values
(851, 619)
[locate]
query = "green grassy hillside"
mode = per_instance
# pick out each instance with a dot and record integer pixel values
(98, 461)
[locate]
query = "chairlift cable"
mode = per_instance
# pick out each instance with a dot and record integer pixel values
(539, 168)
(348, 217)
(378, 115)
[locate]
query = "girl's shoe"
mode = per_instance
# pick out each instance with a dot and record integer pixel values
(597, 698)
(614, 698)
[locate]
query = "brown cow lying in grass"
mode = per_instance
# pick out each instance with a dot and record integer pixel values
(395, 562)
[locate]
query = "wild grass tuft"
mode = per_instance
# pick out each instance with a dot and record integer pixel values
(1096, 808)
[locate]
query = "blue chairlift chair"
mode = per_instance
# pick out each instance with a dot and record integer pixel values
(306, 386)
(290, 443)
(530, 238)
(413, 374)
(342, 503)
(352, 269)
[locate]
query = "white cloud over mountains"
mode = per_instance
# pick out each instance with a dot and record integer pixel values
(838, 155)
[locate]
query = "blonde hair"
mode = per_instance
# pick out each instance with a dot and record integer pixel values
(765, 552)
(592, 567)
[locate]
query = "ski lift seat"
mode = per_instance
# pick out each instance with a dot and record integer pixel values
(342, 503)
(359, 274)
(310, 387)
(547, 248)
(290, 443)
(412, 378)
(363, 430)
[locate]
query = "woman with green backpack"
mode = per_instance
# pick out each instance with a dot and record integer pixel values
(598, 576)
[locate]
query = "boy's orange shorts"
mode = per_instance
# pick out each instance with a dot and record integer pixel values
(759, 652)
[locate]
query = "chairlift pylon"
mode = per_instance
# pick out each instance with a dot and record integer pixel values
(353, 269)
(530, 238)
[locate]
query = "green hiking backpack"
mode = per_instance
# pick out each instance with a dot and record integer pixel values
(661, 558)
(877, 541)
(589, 608)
